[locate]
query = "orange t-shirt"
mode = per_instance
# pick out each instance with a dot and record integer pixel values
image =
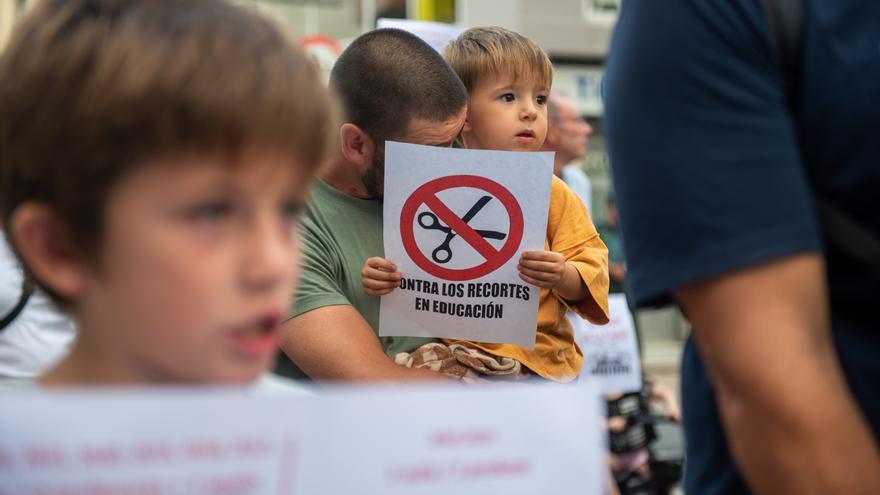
(570, 232)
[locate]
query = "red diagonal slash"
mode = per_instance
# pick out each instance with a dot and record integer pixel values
(460, 227)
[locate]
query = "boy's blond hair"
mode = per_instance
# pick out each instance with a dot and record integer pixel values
(494, 51)
(92, 89)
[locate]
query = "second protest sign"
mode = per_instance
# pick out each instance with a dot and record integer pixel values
(455, 223)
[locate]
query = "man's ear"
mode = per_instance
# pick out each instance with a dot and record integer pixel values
(357, 146)
(48, 250)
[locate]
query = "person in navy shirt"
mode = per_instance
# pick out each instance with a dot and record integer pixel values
(717, 177)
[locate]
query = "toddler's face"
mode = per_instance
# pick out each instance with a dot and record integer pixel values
(197, 268)
(507, 115)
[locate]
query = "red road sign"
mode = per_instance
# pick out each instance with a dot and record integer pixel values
(427, 194)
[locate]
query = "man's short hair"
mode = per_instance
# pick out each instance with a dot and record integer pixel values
(387, 77)
(494, 51)
(91, 89)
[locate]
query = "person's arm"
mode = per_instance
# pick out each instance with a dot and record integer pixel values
(791, 423)
(336, 343)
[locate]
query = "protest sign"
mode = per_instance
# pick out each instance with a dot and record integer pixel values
(516, 439)
(160, 442)
(611, 353)
(455, 223)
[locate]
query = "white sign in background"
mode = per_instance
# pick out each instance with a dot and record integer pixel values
(583, 85)
(512, 439)
(456, 222)
(436, 34)
(611, 352)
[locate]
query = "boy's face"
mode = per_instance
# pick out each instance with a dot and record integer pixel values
(196, 269)
(507, 115)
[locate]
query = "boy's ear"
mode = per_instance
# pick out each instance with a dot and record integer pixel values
(46, 246)
(357, 146)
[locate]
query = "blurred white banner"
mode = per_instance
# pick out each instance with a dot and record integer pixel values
(527, 438)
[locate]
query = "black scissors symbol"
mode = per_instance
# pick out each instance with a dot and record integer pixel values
(443, 253)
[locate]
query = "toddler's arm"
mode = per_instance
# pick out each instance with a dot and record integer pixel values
(549, 270)
(379, 276)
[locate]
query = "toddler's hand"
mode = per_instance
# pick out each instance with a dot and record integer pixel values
(379, 276)
(542, 268)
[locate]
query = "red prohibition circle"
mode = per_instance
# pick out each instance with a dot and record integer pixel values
(427, 194)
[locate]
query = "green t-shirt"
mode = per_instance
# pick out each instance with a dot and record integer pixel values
(339, 233)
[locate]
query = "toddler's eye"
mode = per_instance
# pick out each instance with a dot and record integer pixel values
(210, 211)
(542, 100)
(508, 97)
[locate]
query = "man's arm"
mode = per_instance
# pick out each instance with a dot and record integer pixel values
(336, 343)
(792, 425)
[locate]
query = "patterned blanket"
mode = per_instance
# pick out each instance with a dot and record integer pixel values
(463, 363)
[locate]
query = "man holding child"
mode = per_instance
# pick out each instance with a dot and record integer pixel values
(331, 335)
(393, 86)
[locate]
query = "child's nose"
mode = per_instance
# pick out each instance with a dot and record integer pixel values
(268, 259)
(529, 110)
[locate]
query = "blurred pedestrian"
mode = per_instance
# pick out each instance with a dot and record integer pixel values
(721, 157)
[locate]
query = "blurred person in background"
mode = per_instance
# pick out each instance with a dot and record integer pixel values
(568, 136)
(34, 333)
(725, 156)
(609, 231)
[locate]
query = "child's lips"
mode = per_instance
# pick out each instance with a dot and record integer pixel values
(527, 136)
(259, 339)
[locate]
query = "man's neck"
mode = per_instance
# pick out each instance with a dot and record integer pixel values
(342, 175)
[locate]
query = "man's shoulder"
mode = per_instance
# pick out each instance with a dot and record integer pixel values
(340, 233)
(328, 204)
(333, 216)
(323, 200)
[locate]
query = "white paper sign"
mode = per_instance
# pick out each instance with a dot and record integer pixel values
(180, 442)
(513, 439)
(436, 34)
(456, 223)
(611, 353)
(510, 439)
